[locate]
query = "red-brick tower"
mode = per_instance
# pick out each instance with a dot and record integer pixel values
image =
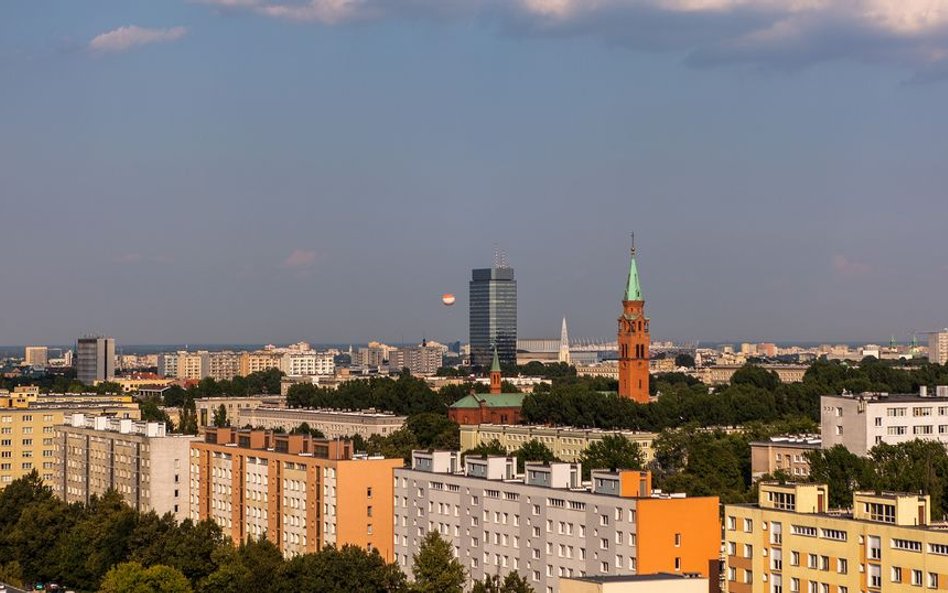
(495, 378)
(633, 339)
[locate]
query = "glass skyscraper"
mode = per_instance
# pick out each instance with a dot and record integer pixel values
(493, 303)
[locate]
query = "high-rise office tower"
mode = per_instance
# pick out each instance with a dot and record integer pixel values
(95, 359)
(493, 314)
(634, 339)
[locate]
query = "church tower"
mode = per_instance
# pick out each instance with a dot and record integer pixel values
(633, 339)
(496, 384)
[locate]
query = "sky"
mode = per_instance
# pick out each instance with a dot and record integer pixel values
(226, 171)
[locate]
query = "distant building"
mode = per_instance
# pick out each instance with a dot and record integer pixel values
(546, 523)
(664, 582)
(633, 339)
(419, 360)
(33, 417)
(332, 423)
(36, 356)
(95, 360)
(168, 364)
(254, 362)
(301, 493)
(566, 443)
(207, 406)
(722, 373)
(223, 366)
(860, 422)
(488, 408)
(785, 454)
(136, 382)
(493, 315)
(938, 347)
(139, 460)
(308, 362)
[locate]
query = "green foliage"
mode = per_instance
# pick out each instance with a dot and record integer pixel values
(512, 583)
(188, 418)
(613, 452)
(405, 395)
(152, 413)
(842, 471)
(533, 450)
(220, 417)
(132, 577)
(305, 428)
(490, 448)
(703, 463)
(756, 376)
(108, 387)
(434, 431)
(436, 570)
(685, 360)
(11, 573)
(346, 570)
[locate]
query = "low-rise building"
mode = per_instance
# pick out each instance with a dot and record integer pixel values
(301, 493)
(332, 423)
(791, 541)
(547, 523)
(487, 408)
(566, 442)
(148, 467)
(787, 454)
(639, 583)
(722, 373)
(207, 406)
(28, 423)
(860, 422)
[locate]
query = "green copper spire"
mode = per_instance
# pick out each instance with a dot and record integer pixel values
(495, 366)
(633, 292)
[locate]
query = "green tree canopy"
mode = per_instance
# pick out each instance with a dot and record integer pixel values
(533, 450)
(132, 577)
(613, 452)
(436, 570)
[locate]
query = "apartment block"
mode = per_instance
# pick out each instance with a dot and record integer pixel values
(95, 359)
(28, 423)
(139, 460)
(168, 364)
(860, 422)
(419, 360)
(307, 362)
(938, 347)
(640, 583)
(36, 356)
(253, 362)
(332, 423)
(547, 523)
(223, 366)
(787, 454)
(207, 406)
(566, 442)
(791, 542)
(302, 493)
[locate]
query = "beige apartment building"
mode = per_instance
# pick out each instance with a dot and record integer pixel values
(791, 542)
(722, 373)
(206, 406)
(28, 423)
(139, 460)
(567, 443)
(252, 362)
(787, 454)
(638, 583)
(332, 423)
(301, 493)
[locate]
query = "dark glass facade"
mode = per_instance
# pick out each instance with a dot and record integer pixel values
(493, 320)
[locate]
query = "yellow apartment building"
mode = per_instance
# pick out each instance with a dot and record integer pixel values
(790, 542)
(28, 423)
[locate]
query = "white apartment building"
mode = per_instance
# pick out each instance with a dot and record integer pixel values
(938, 347)
(860, 422)
(547, 524)
(168, 364)
(147, 466)
(223, 366)
(308, 362)
(332, 423)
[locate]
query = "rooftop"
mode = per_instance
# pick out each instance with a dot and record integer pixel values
(637, 578)
(491, 400)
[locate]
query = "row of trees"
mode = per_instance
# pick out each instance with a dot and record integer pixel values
(108, 547)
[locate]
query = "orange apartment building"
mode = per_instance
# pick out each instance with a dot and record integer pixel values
(300, 492)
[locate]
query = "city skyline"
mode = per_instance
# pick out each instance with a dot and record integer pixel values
(209, 174)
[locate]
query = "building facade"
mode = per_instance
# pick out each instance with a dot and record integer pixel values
(787, 454)
(493, 315)
(547, 524)
(938, 347)
(36, 356)
(139, 460)
(641, 583)
(28, 427)
(207, 406)
(308, 362)
(633, 339)
(419, 360)
(301, 493)
(860, 422)
(253, 362)
(95, 360)
(791, 542)
(566, 443)
(332, 423)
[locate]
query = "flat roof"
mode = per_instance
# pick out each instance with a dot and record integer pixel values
(632, 578)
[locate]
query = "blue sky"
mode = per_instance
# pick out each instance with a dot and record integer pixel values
(243, 170)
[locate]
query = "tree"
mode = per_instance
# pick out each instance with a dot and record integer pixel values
(750, 374)
(613, 452)
(512, 583)
(132, 577)
(436, 569)
(533, 450)
(685, 360)
(434, 431)
(220, 417)
(842, 471)
(305, 428)
(152, 413)
(490, 448)
(349, 569)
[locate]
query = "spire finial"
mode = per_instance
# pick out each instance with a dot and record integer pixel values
(633, 243)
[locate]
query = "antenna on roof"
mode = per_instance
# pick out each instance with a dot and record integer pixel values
(500, 257)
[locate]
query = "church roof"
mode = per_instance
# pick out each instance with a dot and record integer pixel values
(633, 292)
(495, 365)
(494, 400)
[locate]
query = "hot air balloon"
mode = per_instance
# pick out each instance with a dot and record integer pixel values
(448, 299)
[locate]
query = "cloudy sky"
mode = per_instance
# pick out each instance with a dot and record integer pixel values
(257, 170)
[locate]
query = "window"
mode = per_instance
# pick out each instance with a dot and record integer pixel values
(917, 578)
(933, 580)
(896, 574)
(907, 544)
(875, 548)
(839, 429)
(842, 566)
(748, 525)
(748, 551)
(811, 561)
(677, 540)
(794, 558)
(896, 430)
(794, 585)
(732, 523)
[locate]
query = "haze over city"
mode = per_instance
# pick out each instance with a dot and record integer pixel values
(252, 171)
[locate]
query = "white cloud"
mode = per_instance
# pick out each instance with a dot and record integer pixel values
(131, 36)
(776, 33)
